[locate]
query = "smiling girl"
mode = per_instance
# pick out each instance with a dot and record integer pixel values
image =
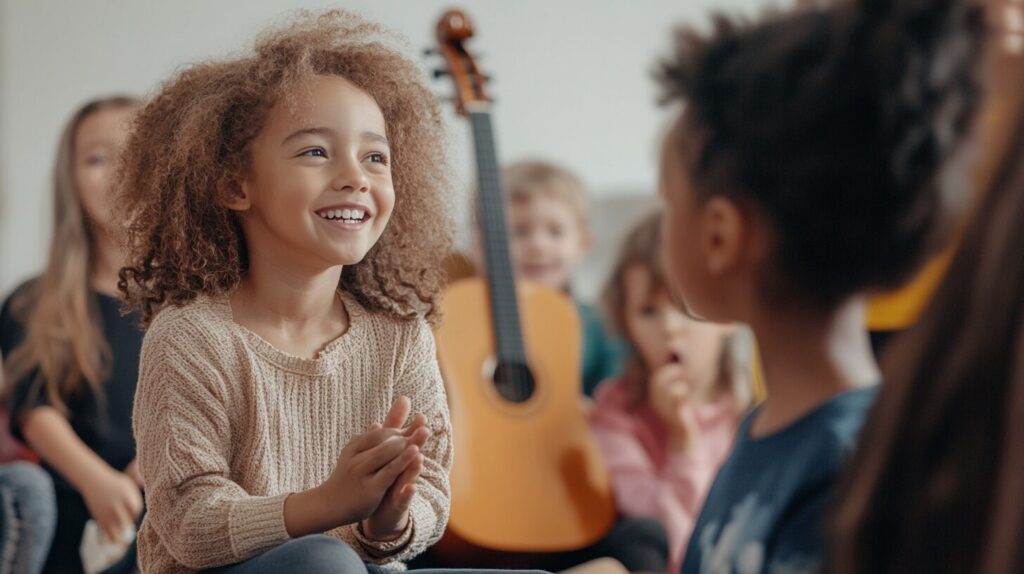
(287, 227)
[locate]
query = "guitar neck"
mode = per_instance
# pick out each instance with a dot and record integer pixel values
(500, 275)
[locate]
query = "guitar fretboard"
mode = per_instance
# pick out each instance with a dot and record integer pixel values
(500, 275)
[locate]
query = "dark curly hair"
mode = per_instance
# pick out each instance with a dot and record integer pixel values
(192, 141)
(832, 123)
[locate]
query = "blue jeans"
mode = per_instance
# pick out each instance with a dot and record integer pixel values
(28, 517)
(319, 554)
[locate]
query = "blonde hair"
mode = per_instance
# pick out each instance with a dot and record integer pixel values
(64, 350)
(527, 179)
(192, 144)
(641, 248)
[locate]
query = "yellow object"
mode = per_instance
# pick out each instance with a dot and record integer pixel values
(901, 308)
(757, 376)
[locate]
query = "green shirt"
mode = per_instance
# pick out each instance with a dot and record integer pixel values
(603, 353)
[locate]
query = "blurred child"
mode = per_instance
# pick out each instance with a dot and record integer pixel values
(799, 178)
(549, 227)
(666, 425)
(71, 357)
(28, 516)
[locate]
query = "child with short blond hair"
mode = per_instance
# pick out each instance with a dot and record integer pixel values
(549, 230)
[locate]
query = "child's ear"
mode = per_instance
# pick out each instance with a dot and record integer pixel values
(723, 235)
(234, 195)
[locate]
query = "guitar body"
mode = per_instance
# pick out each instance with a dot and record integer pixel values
(527, 477)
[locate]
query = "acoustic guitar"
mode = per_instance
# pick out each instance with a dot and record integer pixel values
(527, 477)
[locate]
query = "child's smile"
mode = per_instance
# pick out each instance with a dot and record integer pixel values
(346, 216)
(320, 193)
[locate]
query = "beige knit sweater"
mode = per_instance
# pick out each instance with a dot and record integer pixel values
(227, 426)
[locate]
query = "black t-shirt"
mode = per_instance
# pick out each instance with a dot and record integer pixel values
(104, 424)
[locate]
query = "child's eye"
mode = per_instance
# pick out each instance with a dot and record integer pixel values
(377, 157)
(314, 152)
(521, 231)
(648, 311)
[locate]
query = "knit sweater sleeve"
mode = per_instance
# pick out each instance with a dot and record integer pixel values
(419, 378)
(671, 492)
(183, 432)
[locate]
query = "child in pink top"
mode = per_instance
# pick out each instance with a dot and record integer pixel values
(668, 422)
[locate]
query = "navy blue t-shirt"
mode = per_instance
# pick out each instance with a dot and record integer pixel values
(767, 509)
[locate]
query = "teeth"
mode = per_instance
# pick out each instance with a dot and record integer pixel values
(352, 215)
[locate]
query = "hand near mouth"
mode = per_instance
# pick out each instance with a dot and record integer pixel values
(669, 394)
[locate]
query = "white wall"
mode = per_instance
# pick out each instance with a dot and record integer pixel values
(572, 79)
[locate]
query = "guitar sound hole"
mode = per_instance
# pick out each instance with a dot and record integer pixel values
(514, 382)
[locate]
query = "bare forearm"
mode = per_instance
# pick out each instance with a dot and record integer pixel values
(51, 436)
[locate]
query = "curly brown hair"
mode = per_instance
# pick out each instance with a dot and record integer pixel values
(191, 145)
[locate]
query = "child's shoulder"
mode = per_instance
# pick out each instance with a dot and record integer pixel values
(615, 405)
(190, 326)
(613, 393)
(820, 441)
(833, 427)
(24, 293)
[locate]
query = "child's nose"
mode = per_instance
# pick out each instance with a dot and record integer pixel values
(350, 177)
(535, 242)
(673, 323)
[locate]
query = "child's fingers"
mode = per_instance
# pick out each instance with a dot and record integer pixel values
(372, 460)
(370, 439)
(420, 436)
(417, 421)
(403, 498)
(679, 389)
(670, 372)
(413, 472)
(406, 480)
(110, 530)
(399, 412)
(119, 522)
(390, 471)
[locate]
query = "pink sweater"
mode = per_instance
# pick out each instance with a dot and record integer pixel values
(647, 479)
